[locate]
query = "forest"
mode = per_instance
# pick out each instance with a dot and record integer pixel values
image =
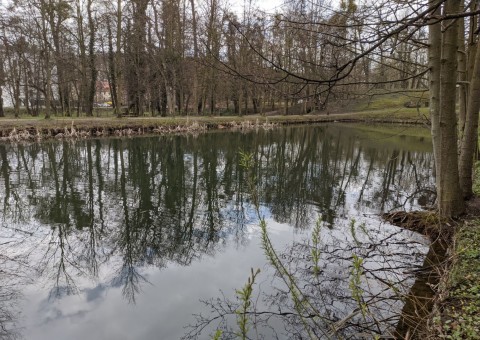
(208, 56)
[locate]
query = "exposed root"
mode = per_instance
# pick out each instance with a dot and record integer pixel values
(427, 223)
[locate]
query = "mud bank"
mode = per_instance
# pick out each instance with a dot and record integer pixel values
(420, 301)
(444, 302)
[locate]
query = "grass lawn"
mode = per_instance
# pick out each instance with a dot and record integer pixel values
(384, 108)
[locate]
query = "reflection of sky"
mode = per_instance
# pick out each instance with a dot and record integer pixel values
(171, 294)
(162, 309)
(166, 303)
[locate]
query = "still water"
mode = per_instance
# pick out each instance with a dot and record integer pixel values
(131, 238)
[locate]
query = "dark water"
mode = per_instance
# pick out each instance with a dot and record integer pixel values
(124, 238)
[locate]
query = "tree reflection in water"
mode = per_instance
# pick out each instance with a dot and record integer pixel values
(106, 209)
(11, 273)
(334, 312)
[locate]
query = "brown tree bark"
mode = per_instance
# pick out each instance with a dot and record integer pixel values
(114, 61)
(2, 83)
(470, 135)
(91, 60)
(46, 64)
(83, 62)
(195, 57)
(2, 113)
(442, 64)
(462, 75)
(450, 202)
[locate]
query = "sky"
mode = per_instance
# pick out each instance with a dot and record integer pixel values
(265, 5)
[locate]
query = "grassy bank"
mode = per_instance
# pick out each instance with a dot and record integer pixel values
(109, 125)
(457, 310)
(380, 108)
(381, 100)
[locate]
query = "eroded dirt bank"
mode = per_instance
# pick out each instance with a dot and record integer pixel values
(444, 302)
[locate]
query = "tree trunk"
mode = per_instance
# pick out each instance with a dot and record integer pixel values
(16, 80)
(116, 72)
(434, 64)
(450, 202)
(81, 94)
(91, 61)
(462, 76)
(2, 83)
(112, 72)
(48, 89)
(195, 57)
(26, 91)
(470, 135)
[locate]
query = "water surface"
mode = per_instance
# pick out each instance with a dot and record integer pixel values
(124, 238)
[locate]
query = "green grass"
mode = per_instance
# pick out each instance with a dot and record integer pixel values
(55, 123)
(381, 100)
(399, 113)
(459, 315)
(382, 108)
(389, 106)
(460, 318)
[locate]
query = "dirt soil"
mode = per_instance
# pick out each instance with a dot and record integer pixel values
(453, 278)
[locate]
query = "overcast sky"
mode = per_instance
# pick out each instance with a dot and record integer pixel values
(266, 5)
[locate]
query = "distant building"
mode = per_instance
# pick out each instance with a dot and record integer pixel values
(102, 93)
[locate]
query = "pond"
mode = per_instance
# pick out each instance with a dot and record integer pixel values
(134, 238)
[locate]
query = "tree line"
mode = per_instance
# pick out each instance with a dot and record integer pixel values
(201, 56)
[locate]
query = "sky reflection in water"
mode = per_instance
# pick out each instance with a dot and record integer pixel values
(119, 239)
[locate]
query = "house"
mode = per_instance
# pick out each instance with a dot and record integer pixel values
(102, 93)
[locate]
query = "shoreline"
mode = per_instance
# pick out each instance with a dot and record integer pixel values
(31, 129)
